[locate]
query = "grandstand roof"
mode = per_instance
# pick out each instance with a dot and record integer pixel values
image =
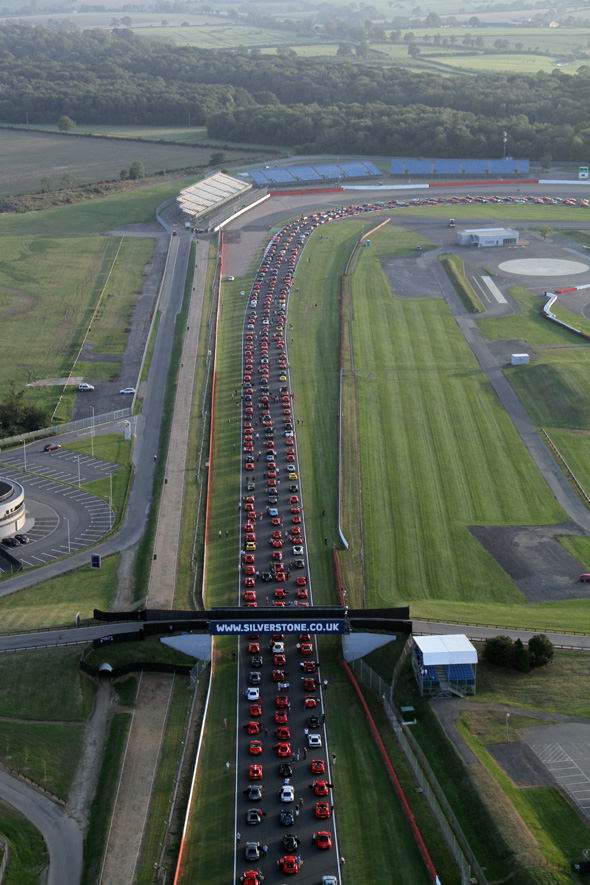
(446, 649)
(211, 191)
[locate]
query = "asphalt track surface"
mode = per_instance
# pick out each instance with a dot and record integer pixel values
(273, 572)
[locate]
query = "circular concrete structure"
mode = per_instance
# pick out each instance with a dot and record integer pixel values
(543, 267)
(12, 507)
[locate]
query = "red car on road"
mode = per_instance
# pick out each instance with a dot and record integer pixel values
(322, 809)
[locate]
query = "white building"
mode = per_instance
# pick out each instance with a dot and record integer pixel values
(444, 665)
(488, 236)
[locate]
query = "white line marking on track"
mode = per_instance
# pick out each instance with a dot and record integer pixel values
(494, 290)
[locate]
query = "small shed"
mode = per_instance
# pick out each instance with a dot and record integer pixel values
(520, 359)
(488, 236)
(444, 665)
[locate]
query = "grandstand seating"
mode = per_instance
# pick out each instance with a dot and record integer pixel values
(258, 176)
(419, 167)
(313, 174)
(279, 176)
(329, 170)
(499, 167)
(460, 673)
(304, 173)
(446, 167)
(475, 167)
(354, 170)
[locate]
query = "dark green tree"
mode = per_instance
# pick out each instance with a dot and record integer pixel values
(499, 650)
(136, 170)
(541, 650)
(17, 416)
(65, 124)
(521, 657)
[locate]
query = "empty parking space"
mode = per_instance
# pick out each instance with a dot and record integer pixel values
(564, 749)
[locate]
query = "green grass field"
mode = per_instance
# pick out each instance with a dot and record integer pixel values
(28, 850)
(431, 459)
(55, 284)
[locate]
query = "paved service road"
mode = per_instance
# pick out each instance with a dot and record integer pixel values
(61, 833)
(274, 731)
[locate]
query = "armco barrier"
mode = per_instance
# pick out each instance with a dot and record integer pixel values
(404, 802)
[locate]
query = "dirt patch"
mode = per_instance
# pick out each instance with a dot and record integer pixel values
(50, 382)
(535, 560)
(85, 782)
(521, 765)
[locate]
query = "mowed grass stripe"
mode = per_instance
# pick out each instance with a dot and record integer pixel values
(438, 452)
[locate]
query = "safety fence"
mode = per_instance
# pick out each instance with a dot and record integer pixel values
(79, 424)
(566, 467)
(427, 781)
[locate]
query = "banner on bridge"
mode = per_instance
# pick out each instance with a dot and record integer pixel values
(299, 625)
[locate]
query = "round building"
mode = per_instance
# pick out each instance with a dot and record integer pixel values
(12, 507)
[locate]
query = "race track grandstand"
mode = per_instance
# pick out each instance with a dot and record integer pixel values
(198, 199)
(322, 174)
(504, 168)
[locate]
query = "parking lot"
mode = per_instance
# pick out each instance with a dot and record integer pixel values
(61, 517)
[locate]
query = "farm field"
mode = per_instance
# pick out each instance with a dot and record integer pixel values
(184, 135)
(28, 157)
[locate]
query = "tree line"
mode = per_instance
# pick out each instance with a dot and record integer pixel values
(309, 104)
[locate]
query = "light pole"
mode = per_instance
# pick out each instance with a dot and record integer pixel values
(68, 522)
(92, 433)
(507, 718)
(78, 471)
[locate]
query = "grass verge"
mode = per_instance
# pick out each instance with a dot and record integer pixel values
(28, 852)
(455, 270)
(102, 807)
